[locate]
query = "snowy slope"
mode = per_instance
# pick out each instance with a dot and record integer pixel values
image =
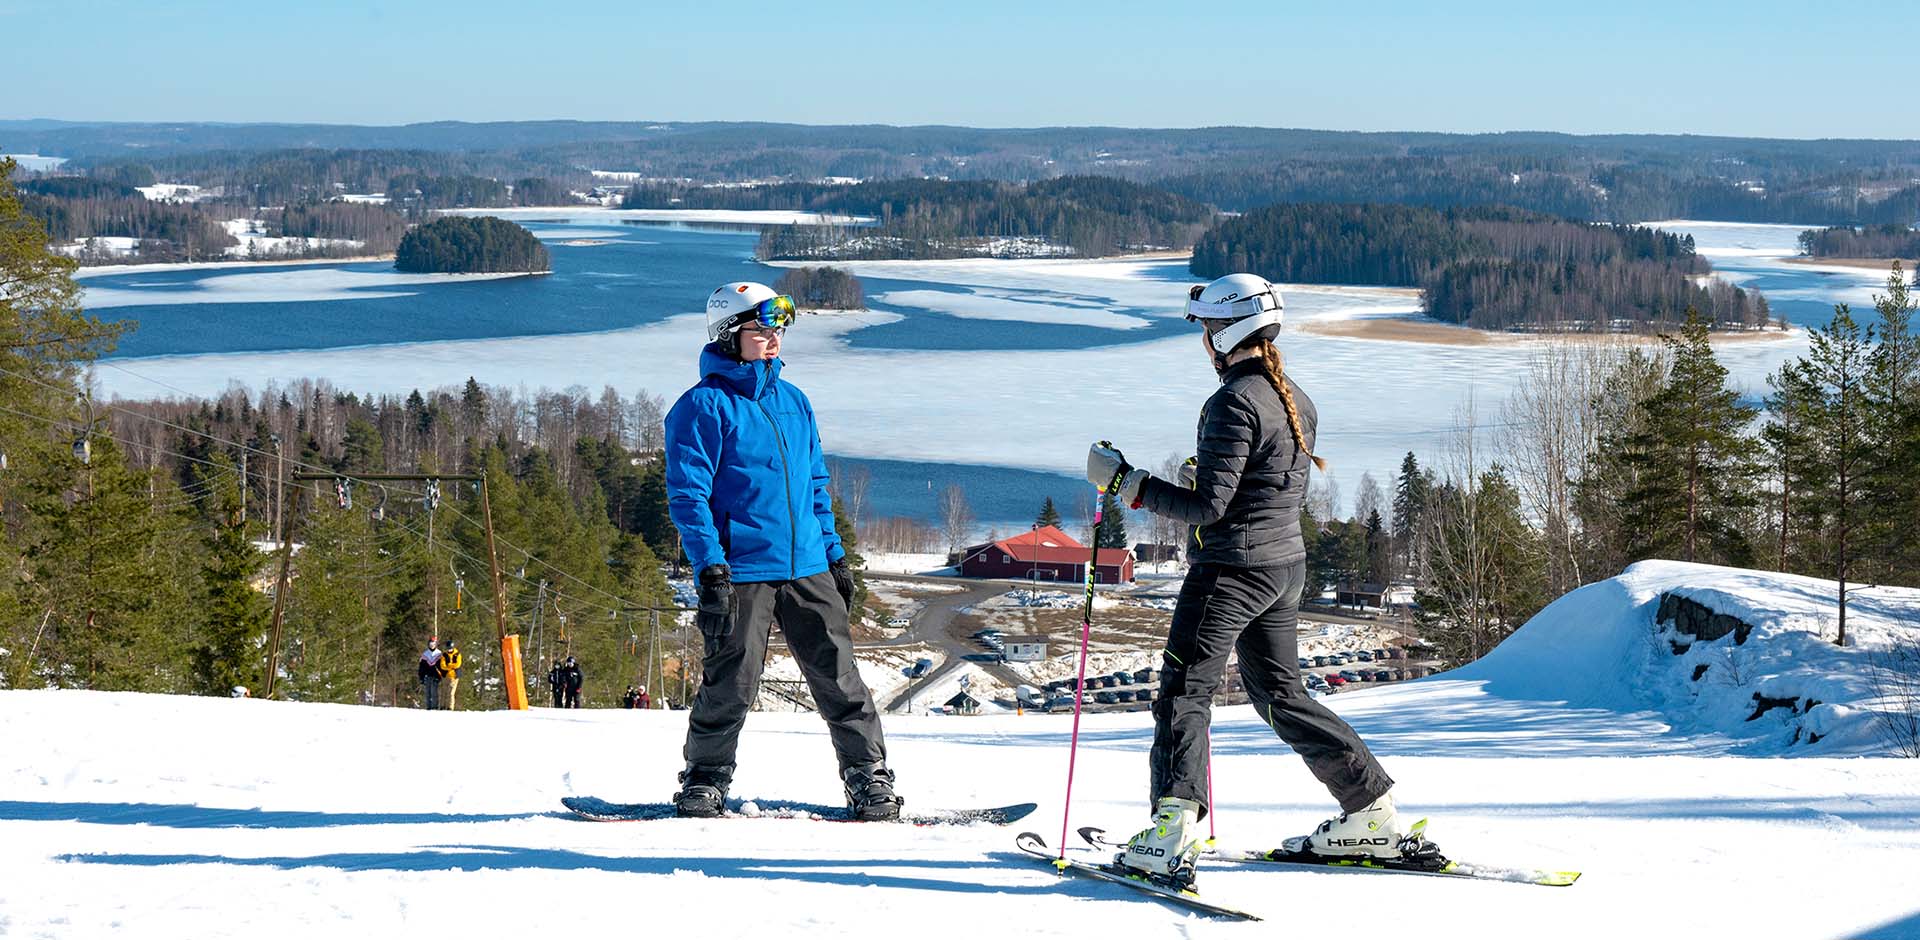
(1575, 745)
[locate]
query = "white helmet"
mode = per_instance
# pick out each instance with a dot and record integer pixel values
(732, 306)
(1237, 307)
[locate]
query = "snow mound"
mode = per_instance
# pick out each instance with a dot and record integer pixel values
(1775, 684)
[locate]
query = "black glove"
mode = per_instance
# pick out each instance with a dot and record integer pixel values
(717, 602)
(842, 581)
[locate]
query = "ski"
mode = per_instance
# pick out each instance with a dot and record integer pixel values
(598, 810)
(1427, 862)
(1034, 845)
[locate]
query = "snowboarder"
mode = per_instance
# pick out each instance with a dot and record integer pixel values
(1242, 592)
(430, 675)
(450, 662)
(571, 677)
(747, 488)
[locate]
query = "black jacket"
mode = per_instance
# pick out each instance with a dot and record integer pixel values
(1249, 480)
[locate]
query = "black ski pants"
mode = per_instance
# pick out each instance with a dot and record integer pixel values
(813, 617)
(430, 692)
(1256, 612)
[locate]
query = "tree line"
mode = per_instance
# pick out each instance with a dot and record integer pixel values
(1488, 267)
(1084, 216)
(1893, 240)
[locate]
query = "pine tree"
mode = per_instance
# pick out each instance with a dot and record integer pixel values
(1836, 369)
(1113, 523)
(234, 626)
(1049, 516)
(1795, 521)
(1693, 465)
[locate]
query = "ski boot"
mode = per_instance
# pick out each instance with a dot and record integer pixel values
(870, 796)
(1370, 832)
(703, 793)
(1165, 851)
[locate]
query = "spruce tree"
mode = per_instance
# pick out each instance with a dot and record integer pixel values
(1409, 501)
(1891, 484)
(336, 605)
(1795, 521)
(1048, 514)
(234, 624)
(1113, 523)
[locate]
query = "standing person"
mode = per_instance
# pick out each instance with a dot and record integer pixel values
(450, 663)
(557, 684)
(747, 488)
(430, 675)
(573, 679)
(641, 699)
(1243, 590)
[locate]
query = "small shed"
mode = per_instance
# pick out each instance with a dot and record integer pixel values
(963, 704)
(1360, 594)
(1026, 649)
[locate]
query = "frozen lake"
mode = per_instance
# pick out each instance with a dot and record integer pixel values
(959, 372)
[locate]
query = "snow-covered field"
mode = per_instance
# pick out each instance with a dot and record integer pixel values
(1577, 744)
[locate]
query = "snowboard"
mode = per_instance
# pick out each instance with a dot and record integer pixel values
(599, 810)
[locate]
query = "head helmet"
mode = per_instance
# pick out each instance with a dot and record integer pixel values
(1238, 309)
(734, 305)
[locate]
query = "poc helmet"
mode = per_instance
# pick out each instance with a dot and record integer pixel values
(1238, 309)
(732, 306)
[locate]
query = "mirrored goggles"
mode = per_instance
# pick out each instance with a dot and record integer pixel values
(1239, 309)
(773, 313)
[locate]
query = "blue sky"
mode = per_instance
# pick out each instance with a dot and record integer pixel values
(1750, 69)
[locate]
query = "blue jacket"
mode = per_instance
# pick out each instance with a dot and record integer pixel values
(746, 479)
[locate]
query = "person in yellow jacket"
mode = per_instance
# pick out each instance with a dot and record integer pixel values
(450, 671)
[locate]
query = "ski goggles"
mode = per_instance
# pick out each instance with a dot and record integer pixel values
(1239, 309)
(773, 313)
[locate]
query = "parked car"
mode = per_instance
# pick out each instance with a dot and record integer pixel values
(1123, 696)
(1364, 656)
(1382, 675)
(1319, 660)
(1147, 694)
(1104, 698)
(1060, 703)
(1304, 662)
(1349, 675)
(1336, 680)
(919, 668)
(1124, 678)
(1145, 675)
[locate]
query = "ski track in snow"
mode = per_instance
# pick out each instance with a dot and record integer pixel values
(157, 816)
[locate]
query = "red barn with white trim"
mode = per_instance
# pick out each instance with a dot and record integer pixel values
(1044, 554)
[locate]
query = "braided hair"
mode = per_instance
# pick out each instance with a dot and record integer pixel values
(1270, 357)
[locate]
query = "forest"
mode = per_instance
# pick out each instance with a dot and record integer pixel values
(1487, 267)
(471, 245)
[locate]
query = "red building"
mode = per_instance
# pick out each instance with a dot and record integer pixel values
(1044, 554)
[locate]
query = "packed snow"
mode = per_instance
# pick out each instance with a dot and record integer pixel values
(1575, 745)
(282, 284)
(593, 214)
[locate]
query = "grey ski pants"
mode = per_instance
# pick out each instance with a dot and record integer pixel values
(1256, 611)
(813, 617)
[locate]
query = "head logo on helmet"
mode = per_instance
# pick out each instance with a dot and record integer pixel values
(1238, 310)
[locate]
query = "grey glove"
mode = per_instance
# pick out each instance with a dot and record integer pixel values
(1105, 465)
(1187, 472)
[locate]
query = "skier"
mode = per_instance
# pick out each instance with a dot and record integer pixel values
(572, 678)
(747, 488)
(430, 675)
(1243, 590)
(450, 662)
(557, 684)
